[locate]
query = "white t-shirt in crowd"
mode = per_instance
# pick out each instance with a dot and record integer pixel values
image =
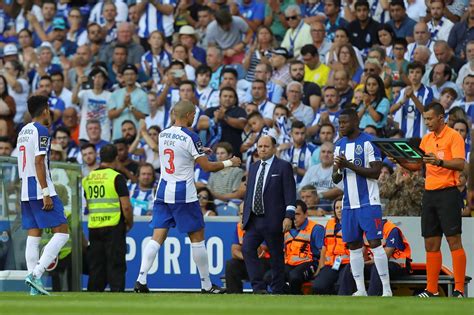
(94, 106)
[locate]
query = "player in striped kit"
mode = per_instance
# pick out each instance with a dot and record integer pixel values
(176, 203)
(358, 162)
(40, 205)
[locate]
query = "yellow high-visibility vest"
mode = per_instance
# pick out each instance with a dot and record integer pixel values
(102, 199)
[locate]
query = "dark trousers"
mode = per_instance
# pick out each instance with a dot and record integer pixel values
(297, 275)
(107, 258)
(348, 285)
(62, 274)
(236, 273)
(256, 233)
(328, 280)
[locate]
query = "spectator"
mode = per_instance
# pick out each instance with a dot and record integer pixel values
(6, 147)
(62, 46)
(344, 89)
(81, 67)
(309, 195)
(327, 133)
(410, 103)
(214, 59)
(89, 159)
(281, 69)
(468, 68)
(206, 95)
(62, 136)
(95, 41)
(319, 176)
(445, 54)
(422, 37)
(17, 87)
(128, 102)
(10, 53)
(26, 53)
(94, 132)
(257, 126)
(467, 102)
(403, 190)
(128, 167)
(462, 127)
(7, 110)
(142, 192)
(150, 148)
(253, 13)
(298, 33)
(439, 25)
(447, 98)
(57, 79)
(76, 33)
(329, 112)
(275, 17)
(311, 91)
(334, 255)
(43, 27)
(229, 117)
(375, 107)
(441, 78)
(205, 17)
(347, 59)
(93, 102)
(259, 97)
(314, 70)
(19, 14)
(455, 114)
(227, 32)
(97, 12)
(303, 245)
(299, 153)
(399, 65)
(263, 71)
(460, 35)
(320, 41)
(124, 38)
(44, 67)
(188, 37)
(56, 105)
(281, 127)
(260, 51)
(332, 9)
(386, 37)
(401, 24)
(71, 122)
(156, 16)
(206, 202)
(155, 60)
(298, 110)
(181, 53)
(364, 29)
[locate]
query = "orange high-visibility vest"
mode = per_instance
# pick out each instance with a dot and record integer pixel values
(398, 256)
(335, 246)
(298, 248)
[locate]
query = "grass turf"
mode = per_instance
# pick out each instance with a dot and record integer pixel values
(189, 303)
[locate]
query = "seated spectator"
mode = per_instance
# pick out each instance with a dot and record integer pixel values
(399, 65)
(281, 124)
(332, 10)
(45, 66)
(320, 41)
(127, 103)
(62, 46)
(124, 38)
(229, 78)
(309, 195)
(56, 105)
(149, 149)
(298, 33)
(439, 25)
(214, 59)
(397, 249)
(299, 152)
(181, 53)
(303, 245)
(375, 106)
(205, 16)
(311, 91)
(386, 38)
(329, 111)
(94, 132)
(80, 68)
(364, 28)
(205, 94)
(447, 98)
(130, 134)
(341, 38)
(281, 68)
(403, 190)
(260, 52)
(455, 114)
(188, 37)
(156, 16)
(126, 165)
(460, 35)
(76, 32)
(264, 72)
(468, 67)
(334, 255)
(441, 76)
(89, 159)
(462, 186)
(235, 269)
(400, 22)
(7, 110)
(257, 129)
(142, 192)
(467, 102)
(327, 133)
(6, 147)
(298, 110)
(259, 97)
(422, 37)
(343, 87)
(314, 70)
(320, 177)
(62, 136)
(71, 122)
(462, 127)
(59, 90)
(206, 202)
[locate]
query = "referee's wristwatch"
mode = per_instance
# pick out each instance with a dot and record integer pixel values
(440, 163)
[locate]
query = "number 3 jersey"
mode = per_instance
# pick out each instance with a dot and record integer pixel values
(33, 140)
(178, 148)
(359, 191)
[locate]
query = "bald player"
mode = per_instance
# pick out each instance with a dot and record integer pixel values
(176, 203)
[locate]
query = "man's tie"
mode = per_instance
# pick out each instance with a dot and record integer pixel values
(258, 200)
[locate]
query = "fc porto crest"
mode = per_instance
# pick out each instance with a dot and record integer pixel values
(358, 149)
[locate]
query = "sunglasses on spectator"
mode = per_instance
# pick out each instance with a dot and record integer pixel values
(369, 70)
(203, 197)
(289, 18)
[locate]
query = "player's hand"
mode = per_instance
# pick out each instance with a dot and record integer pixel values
(207, 151)
(430, 158)
(235, 161)
(341, 161)
(47, 203)
(287, 223)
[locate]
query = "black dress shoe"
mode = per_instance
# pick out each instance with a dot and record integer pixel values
(214, 290)
(141, 288)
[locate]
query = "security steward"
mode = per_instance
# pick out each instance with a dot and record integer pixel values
(303, 245)
(442, 202)
(398, 252)
(110, 217)
(334, 255)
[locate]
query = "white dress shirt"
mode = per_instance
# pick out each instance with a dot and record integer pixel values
(267, 169)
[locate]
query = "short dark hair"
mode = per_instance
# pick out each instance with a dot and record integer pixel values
(120, 141)
(260, 81)
(57, 73)
(328, 125)
(122, 46)
(450, 91)
(108, 153)
(302, 205)
(254, 114)
(416, 65)
(309, 49)
(296, 62)
(462, 121)
(280, 106)
(128, 121)
(5, 139)
(61, 129)
(50, 2)
(309, 187)
(188, 82)
(46, 77)
(361, 3)
(223, 17)
(400, 3)
(468, 76)
(349, 112)
(229, 70)
(201, 69)
(37, 104)
(226, 146)
(436, 107)
(87, 145)
(297, 125)
(400, 41)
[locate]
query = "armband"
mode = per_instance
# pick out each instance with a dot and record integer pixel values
(45, 192)
(227, 163)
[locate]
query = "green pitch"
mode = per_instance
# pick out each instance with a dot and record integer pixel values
(188, 303)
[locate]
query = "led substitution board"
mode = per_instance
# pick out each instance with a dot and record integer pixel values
(402, 150)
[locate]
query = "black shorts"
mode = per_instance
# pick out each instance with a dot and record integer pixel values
(441, 212)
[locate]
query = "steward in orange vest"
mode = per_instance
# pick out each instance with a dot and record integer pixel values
(334, 255)
(399, 252)
(235, 269)
(302, 249)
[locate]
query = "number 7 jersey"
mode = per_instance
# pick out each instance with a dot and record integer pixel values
(33, 140)
(178, 148)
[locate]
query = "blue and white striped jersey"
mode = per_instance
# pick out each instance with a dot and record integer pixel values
(141, 200)
(152, 20)
(359, 191)
(178, 149)
(409, 117)
(467, 106)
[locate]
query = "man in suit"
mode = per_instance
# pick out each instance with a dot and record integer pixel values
(269, 210)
